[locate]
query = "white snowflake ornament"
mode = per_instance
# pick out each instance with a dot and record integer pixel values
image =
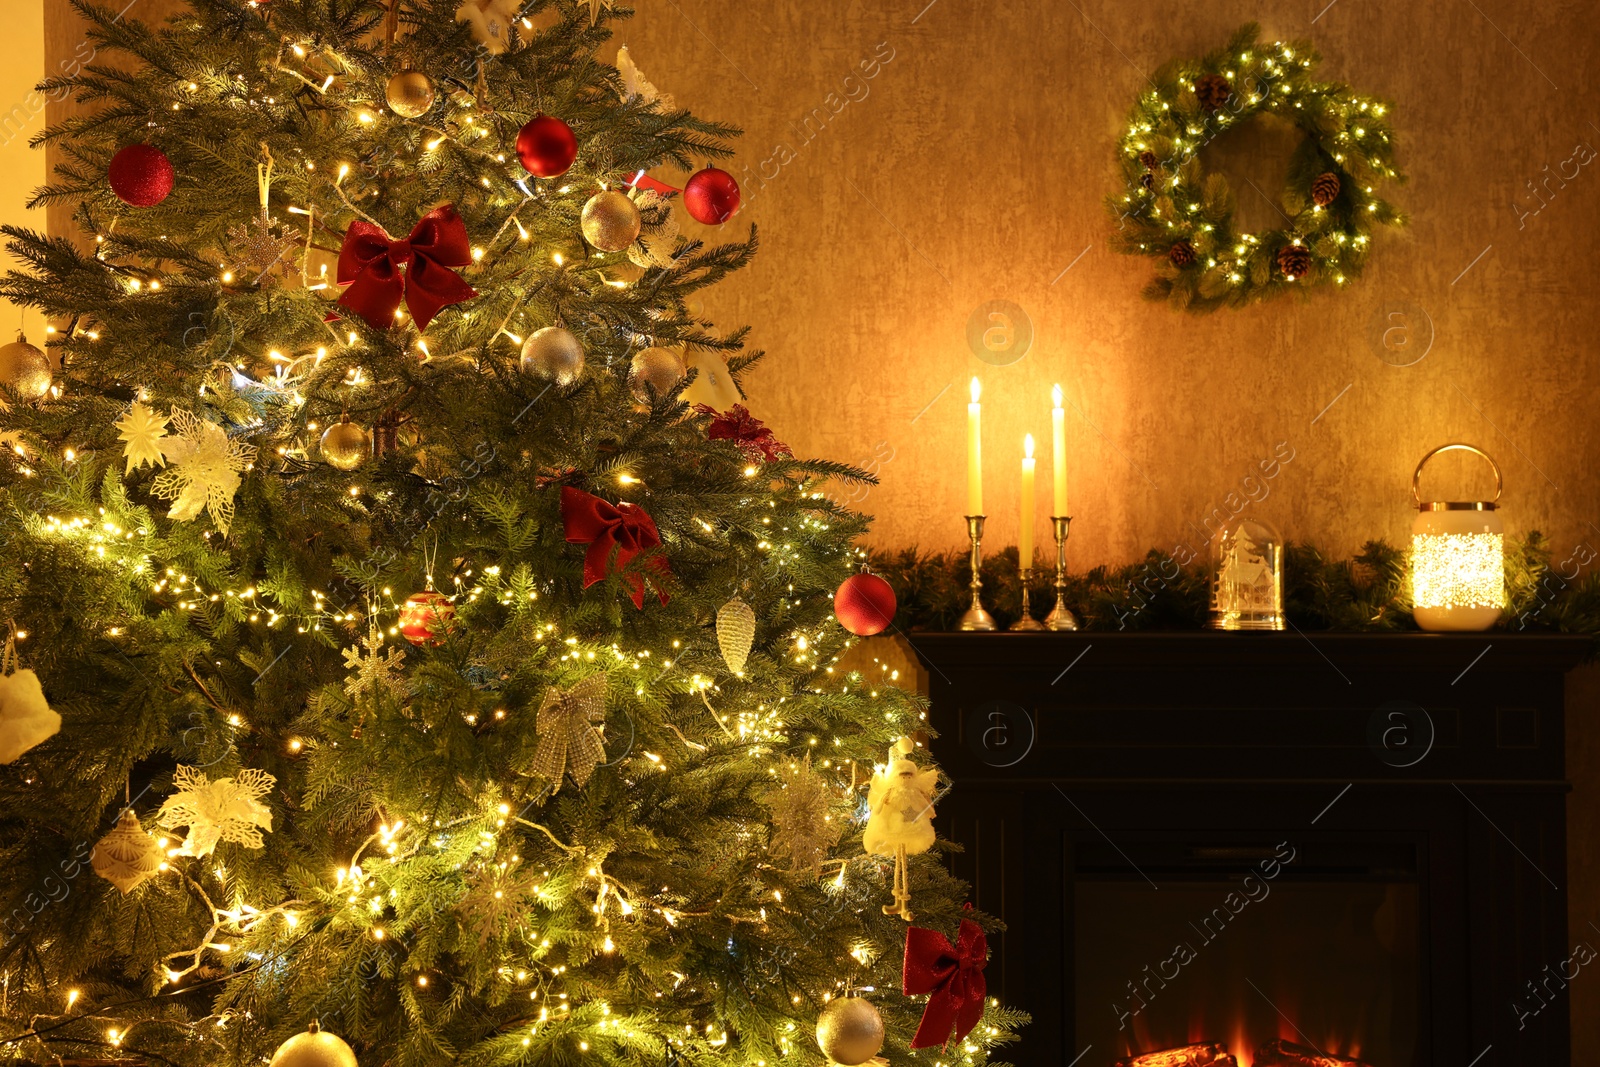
(203, 471)
(490, 21)
(228, 809)
(141, 431)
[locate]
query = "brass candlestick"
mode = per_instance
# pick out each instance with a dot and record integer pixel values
(1060, 618)
(975, 617)
(1026, 621)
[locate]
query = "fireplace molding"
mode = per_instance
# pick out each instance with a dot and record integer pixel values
(1451, 743)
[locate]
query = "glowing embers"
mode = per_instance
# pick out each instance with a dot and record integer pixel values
(1275, 1053)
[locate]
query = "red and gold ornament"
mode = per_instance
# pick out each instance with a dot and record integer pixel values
(546, 147)
(864, 604)
(141, 175)
(711, 196)
(425, 617)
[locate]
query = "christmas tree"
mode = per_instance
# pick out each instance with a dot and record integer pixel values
(410, 632)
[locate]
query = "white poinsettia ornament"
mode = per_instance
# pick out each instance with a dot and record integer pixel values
(635, 86)
(228, 809)
(26, 719)
(203, 470)
(491, 22)
(141, 431)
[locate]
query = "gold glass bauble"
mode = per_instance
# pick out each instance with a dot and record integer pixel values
(314, 1048)
(410, 94)
(850, 1031)
(655, 373)
(25, 369)
(611, 221)
(346, 446)
(553, 354)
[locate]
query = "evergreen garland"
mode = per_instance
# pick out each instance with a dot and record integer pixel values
(1369, 592)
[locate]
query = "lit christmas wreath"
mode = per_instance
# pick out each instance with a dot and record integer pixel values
(1175, 212)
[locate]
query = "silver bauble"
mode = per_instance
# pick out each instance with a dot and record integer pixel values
(25, 369)
(553, 354)
(655, 373)
(850, 1031)
(314, 1048)
(346, 446)
(611, 221)
(410, 94)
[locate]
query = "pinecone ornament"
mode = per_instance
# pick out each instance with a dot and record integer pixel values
(1212, 91)
(1325, 188)
(1181, 254)
(1294, 261)
(1147, 180)
(1148, 160)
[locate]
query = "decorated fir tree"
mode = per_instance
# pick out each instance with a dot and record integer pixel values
(409, 634)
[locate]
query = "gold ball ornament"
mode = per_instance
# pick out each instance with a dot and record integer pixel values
(611, 221)
(410, 94)
(25, 369)
(553, 354)
(655, 373)
(314, 1048)
(346, 446)
(850, 1031)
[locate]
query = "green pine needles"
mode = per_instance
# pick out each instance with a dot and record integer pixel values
(196, 587)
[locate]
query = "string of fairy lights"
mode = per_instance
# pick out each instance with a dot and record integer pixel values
(361, 895)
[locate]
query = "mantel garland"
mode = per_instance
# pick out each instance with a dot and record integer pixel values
(1176, 213)
(1368, 592)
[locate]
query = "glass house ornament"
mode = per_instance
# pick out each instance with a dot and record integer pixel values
(1458, 575)
(1247, 577)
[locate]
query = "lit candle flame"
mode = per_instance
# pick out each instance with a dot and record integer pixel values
(1027, 447)
(1055, 394)
(977, 388)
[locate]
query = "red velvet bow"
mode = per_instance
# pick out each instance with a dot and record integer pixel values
(370, 262)
(603, 526)
(953, 974)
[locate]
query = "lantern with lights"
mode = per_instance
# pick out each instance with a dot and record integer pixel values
(1458, 579)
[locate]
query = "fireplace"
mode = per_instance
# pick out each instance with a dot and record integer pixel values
(1263, 848)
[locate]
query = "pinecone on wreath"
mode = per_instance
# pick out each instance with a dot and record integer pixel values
(1147, 180)
(1294, 261)
(1148, 159)
(1212, 91)
(1181, 254)
(1325, 188)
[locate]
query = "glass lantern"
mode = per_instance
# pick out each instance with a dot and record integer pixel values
(1247, 577)
(1458, 572)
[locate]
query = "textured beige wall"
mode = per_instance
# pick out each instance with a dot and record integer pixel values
(21, 116)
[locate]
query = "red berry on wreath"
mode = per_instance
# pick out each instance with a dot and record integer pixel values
(1181, 254)
(141, 175)
(425, 617)
(864, 604)
(546, 146)
(711, 196)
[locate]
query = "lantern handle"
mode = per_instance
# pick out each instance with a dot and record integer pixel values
(1416, 478)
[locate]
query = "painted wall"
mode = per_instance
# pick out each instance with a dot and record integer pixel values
(21, 116)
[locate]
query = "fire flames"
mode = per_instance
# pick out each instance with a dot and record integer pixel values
(1275, 1053)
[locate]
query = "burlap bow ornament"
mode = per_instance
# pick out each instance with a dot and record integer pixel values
(571, 724)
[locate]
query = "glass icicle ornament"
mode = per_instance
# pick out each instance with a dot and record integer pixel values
(736, 633)
(1247, 577)
(1458, 577)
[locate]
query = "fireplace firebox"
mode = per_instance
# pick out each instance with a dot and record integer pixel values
(1265, 848)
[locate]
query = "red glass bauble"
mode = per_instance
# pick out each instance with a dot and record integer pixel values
(711, 196)
(425, 617)
(546, 147)
(141, 175)
(864, 605)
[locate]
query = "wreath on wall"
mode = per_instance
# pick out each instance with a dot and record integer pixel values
(1174, 212)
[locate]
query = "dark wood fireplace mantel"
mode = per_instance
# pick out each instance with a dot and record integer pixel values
(1069, 751)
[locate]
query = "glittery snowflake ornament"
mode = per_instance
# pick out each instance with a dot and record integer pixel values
(203, 471)
(259, 255)
(140, 432)
(374, 676)
(228, 809)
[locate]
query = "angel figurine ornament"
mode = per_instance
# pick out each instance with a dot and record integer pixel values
(900, 799)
